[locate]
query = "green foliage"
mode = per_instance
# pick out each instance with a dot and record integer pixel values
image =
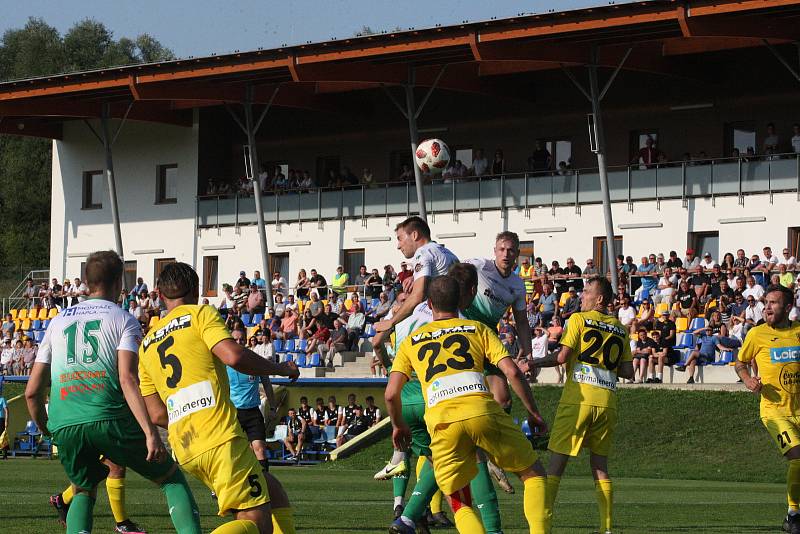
(25, 163)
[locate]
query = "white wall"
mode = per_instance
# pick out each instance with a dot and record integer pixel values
(145, 225)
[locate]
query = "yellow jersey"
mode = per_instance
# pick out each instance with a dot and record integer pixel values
(175, 361)
(599, 343)
(448, 357)
(777, 353)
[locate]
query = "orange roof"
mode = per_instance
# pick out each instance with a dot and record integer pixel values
(659, 30)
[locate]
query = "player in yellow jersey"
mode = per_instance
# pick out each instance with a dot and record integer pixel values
(596, 349)
(775, 347)
(448, 357)
(185, 385)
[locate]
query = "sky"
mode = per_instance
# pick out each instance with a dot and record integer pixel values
(202, 27)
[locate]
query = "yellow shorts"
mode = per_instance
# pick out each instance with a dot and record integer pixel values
(233, 473)
(785, 431)
(454, 446)
(579, 425)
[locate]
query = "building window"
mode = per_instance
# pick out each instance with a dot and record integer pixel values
(167, 184)
(159, 265)
(326, 164)
(741, 136)
(794, 241)
(210, 280)
(279, 263)
(129, 278)
(600, 252)
(638, 141)
(92, 190)
(273, 170)
(525, 252)
(397, 160)
(464, 155)
(560, 150)
(352, 259)
(703, 242)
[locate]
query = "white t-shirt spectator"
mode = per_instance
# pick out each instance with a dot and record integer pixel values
(707, 263)
(480, 165)
(265, 350)
(756, 291)
(539, 346)
(754, 313)
(279, 285)
(82, 292)
(791, 260)
(226, 303)
(667, 285)
(6, 355)
(627, 315)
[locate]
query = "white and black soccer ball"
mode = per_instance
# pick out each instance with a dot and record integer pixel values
(432, 156)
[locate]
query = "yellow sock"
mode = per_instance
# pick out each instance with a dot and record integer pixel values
(116, 498)
(282, 521)
(535, 504)
(552, 492)
(436, 502)
(237, 526)
(67, 494)
(605, 502)
(468, 522)
(793, 485)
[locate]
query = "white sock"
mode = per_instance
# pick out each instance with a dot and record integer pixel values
(398, 457)
(408, 522)
(398, 501)
(660, 376)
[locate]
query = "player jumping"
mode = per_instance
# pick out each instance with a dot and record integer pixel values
(775, 347)
(89, 356)
(448, 357)
(596, 349)
(185, 386)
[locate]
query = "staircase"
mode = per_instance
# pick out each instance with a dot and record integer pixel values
(15, 299)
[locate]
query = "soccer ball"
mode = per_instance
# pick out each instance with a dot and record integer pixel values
(432, 156)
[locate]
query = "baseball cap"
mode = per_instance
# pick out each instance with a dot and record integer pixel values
(690, 251)
(242, 273)
(707, 255)
(664, 312)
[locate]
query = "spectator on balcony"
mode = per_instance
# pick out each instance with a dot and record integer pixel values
(572, 305)
(564, 169)
(658, 262)
(80, 290)
(674, 261)
(318, 285)
(785, 278)
(707, 263)
(648, 279)
(741, 261)
(795, 138)
(368, 178)
(686, 297)
(57, 294)
(590, 270)
(340, 281)
(753, 289)
(279, 180)
(258, 281)
(548, 303)
(361, 279)
(302, 286)
(279, 284)
(648, 155)
(479, 163)
(556, 275)
(306, 182)
(771, 140)
(726, 265)
(770, 261)
(406, 173)
(30, 293)
(755, 263)
(499, 162)
(255, 301)
(243, 281)
(690, 261)
(573, 275)
(45, 296)
(541, 160)
(374, 285)
(786, 259)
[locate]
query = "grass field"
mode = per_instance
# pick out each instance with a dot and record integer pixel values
(696, 461)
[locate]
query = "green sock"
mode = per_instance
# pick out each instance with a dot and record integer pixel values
(400, 483)
(485, 499)
(79, 517)
(182, 508)
(422, 493)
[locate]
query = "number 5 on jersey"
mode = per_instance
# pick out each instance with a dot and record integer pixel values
(171, 360)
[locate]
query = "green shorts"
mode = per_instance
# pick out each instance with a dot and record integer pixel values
(414, 416)
(120, 440)
(490, 369)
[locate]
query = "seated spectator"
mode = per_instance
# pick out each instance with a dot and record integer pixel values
(381, 310)
(372, 412)
(264, 348)
(643, 350)
(754, 312)
(532, 311)
(279, 284)
(318, 416)
(7, 357)
(239, 298)
(509, 340)
(291, 304)
(646, 315)
(704, 353)
(307, 325)
(707, 263)
(227, 302)
(548, 303)
(279, 307)
(355, 325)
(753, 289)
(687, 301)
(318, 285)
(295, 435)
(255, 301)
(358, 425)
(136, 311)
(554, 332)
(626, 313)
(302, 286)
(572, 305)
(289, 325)
(8, 327)
(666, 287)
(18, 359)
(785, 278)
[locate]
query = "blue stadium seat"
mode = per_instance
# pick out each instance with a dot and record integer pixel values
(302, 344)
(369, 331)
(685, 340)
(246, 319)
(289, 345)
(697, 322)
(374, 304)
(301, 359)
(315, 360)
(37, 324)
(38, 336)
(287, 357)
(278, 345)
(45, 324)
(257, 318)
(725, 357)
(363, 304)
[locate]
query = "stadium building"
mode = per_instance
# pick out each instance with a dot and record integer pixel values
(703, 78)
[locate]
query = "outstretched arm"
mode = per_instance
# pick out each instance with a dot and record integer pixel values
(248, 362)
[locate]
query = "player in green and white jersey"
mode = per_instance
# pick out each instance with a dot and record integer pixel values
(88, 363)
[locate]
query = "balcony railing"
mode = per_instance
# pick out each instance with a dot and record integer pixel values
(682, 180)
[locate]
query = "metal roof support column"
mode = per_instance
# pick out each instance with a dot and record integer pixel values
(250, 129)
(411, 115)
(108, 141)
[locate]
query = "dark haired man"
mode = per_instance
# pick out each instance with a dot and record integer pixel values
(596, 349)
(184, 384)
(775, 347)
(89, 355)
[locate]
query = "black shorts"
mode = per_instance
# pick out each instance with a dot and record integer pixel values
(252, 422)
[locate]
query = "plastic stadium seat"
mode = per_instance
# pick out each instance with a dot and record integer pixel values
(289, 345)
(26, 324)
(363, 304)
(348, 303)
(315, 360)
(369, 330)
(52, 313)
(301, 305)
(287, 357)
(660, 308)
(681, 324)
(246, 319)
(23, 314)
(563, 299)
(257, 318)
(374, 303)
(697, 322)
(17, 324)
(278, 345)
(324, 302)
(725, 358)
(45, 324)
(38, 336)
(37, 324)
(42, 314)
(302, 344)
(14, 313)
(685, 340)
(301, 359)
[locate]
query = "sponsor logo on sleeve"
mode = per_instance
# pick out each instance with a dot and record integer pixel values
(189, 400)
(452, 386)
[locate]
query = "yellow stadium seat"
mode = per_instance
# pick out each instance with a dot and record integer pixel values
(681, 324)
(676, 306)
(661, 307)
(26, 324)
(13, 313)
(153, 320)
(300, 306)
(52, 313)
(563, 299)
(324, 302)
(17, 323)
(42, 314)
(251, 331)
(348, 303)
(23, 314)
